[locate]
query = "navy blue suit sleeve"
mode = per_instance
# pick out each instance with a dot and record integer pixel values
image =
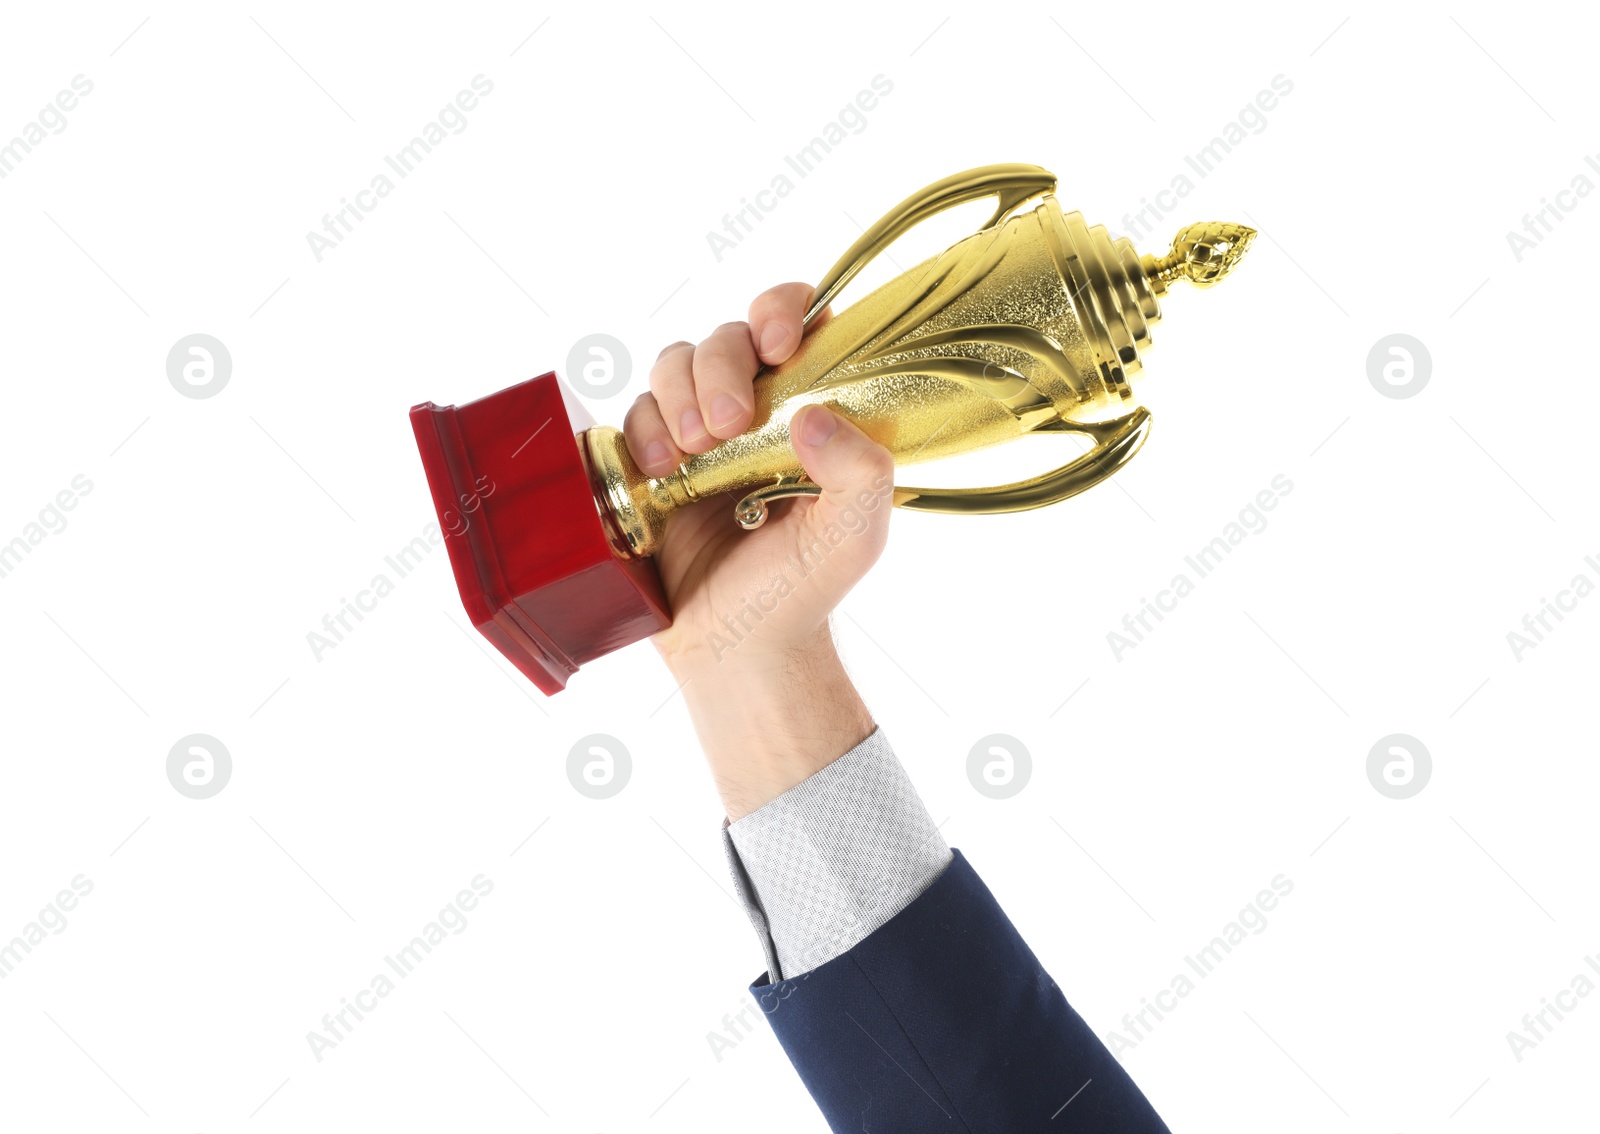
(943, 1019)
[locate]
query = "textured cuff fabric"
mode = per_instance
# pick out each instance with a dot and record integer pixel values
(834, 857)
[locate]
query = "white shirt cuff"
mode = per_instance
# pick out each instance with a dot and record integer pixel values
(834, 857)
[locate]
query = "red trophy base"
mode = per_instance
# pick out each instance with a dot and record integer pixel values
(535, 569)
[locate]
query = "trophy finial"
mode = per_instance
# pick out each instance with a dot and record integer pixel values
(1201, 253)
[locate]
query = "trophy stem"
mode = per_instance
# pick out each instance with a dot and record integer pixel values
(634, 508)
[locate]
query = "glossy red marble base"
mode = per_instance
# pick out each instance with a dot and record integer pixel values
(537, 575)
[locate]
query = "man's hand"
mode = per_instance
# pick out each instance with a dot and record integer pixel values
(750, 638)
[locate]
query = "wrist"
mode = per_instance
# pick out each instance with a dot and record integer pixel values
(769, 719)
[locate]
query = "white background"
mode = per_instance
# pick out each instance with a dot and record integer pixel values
(371, 785)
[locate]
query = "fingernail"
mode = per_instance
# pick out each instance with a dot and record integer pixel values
(656, 456)
(818, 426)
(690, 427)
(725, 410)
(773, 338)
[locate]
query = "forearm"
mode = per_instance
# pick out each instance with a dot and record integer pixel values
(769, 720)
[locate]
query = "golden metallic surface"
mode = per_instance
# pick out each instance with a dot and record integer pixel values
(1033, 324)
(1203, 254)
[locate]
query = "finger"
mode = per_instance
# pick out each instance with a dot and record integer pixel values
(856, 476)
(672, 382)
(775, 320)
(649, 440)
(724, 365)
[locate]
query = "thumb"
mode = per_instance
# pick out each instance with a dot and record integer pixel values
(856, 476)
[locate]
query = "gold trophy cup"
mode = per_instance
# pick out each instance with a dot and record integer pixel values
(1032, 324)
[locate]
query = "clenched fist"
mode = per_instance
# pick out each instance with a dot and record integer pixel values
(750, 640)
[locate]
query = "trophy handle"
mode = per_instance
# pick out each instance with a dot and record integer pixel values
(1013, 183)
(1115, 443)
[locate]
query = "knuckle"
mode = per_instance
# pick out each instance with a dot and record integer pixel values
(641, 414)
(668, 378)
(873, 471)
(875, 460)
(722, 362)
(773, 301)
